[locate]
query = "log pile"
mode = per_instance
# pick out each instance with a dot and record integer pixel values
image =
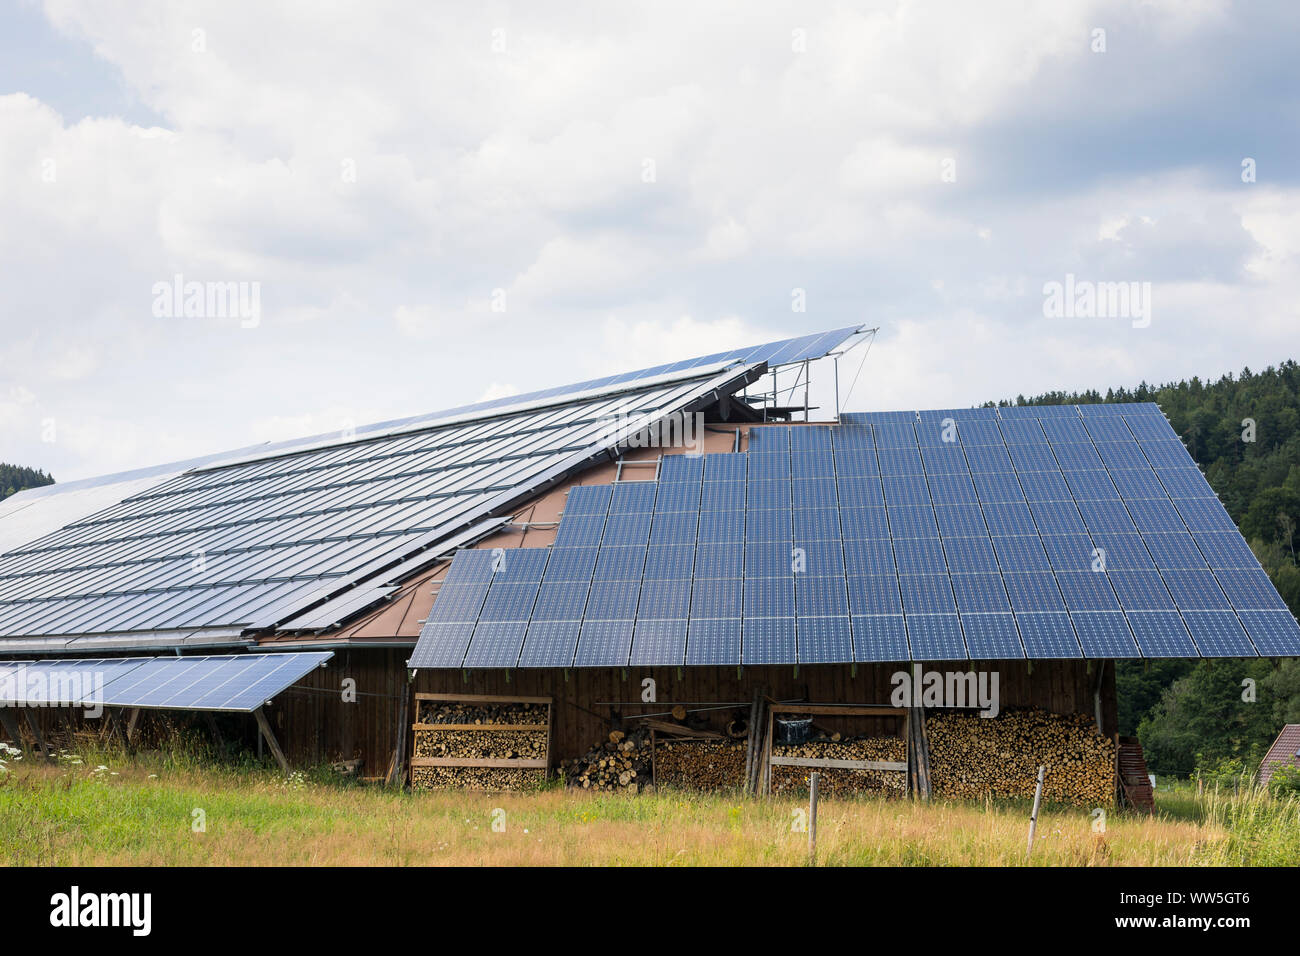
(971, 756)
(620, 763)
(837, 781)
(461, 712)
(486, 743)
(700, 764)
(476, 778)
(474, 731)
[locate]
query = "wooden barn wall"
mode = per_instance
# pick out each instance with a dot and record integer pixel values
(314, 724)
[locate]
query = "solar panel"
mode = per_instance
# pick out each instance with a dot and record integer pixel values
(926, 593)
(442, 644)
(681, 469)
(723, 496)
(936, 637)
(991, 636)
(664, 600)
(1161, 634)
(588, 500)
(874, 594)
(820, 597)
(669, 562)
(880, 638)
(768, 640)
(657, 643)
(716, 598)
(982, 593)
(715, 642)
(825, 640)
(1274, 633)
(1104, 634)
(1218, 634)
(548, 644)
(496, 644)
(728, 466)
(604, 644)
(1047, 635)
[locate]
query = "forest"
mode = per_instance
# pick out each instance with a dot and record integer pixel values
(15, 478)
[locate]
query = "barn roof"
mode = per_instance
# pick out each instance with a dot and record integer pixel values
(303, 534)
(1039, 532)
(1284, 752)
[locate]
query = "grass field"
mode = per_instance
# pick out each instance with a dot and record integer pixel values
(101, 809)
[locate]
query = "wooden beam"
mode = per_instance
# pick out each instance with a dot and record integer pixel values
(264, 726)
(837, 764)
(484, 698)
(397, 771)
(132, 722)
(838, 710)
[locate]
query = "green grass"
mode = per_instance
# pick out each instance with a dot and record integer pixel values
(141, 810)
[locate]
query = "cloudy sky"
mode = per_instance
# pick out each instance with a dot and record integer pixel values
(444, 202)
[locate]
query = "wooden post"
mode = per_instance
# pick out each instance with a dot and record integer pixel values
(813, 779)
(132, 722)
(1033, 816)
(11, 727)
(397, 770)
(212, 729)
(265, 727)
(35, 728)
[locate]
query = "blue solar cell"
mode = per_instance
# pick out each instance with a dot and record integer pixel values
(768, 467)
(972, 554)
(979, 593)
(1161, 634)
(720, 526)
(944, 460)
(905, 490)
(1184, 483)
(560, 602)
(680, 469)
(1249, 589)
(1112, 429)
(1174, 551)
(620, 564)
(1122, 552)
(1030, 591)
(664, 600)
(1065, 430)
(633, 497)
(820, 596)
(458, 602)
(825, 640)
(769, 641)
(679, 527)
(859, 523)
(899, 461)
(588, 500)
(895, 435)
(980, 431)
(919, 556)
(774, 525)
(860, 493)
(720, 560)
(717, 598)
(926, 593)
(770, 438)
(1077, 457)
(768, 495)
(951, 489)
(1047, 635)
(1196, 590)
(725, 466)
(960, 520)
(1033, 458)
(856, 462)
(854, 436)
(1167, 454)
(658, 644)
(1106, 515)
(937, 432)
(580, 532)
(1218, 634)
(881, 637)
(812, 465)
(1022, 431)
(1009, 517)
(714, 642)
(1072, 552)
(814, 493)
(470, 565)
(1021, 553)
(626, 530)
(1141, 590)
(817, 525)
(726, 496)
(769, 597)
(913, 521)
(874, 594)
(1087, 591)
(1274, 633)
(1150, 427)
(604, 644)
(1204, 514)
(1225, 550)
(1087, 485)
(571, 564)
(1044, 486)
(673, 562)
(496, 644)
(820, 558)
(1057, 517)
(1121, 454)
(1038, 411)
(442, 644)
(988, 458)
(519, 564)
(1137, 483)
(769, 559)
(936, 637)
(992, 637)
(873, 556)
(1155, 515)
(810, 438)
(681, 496)
(998, 487)
(1105, 634)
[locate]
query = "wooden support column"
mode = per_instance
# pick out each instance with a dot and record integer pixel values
(132, 721)
(35, 728)
(11, 727)
(397, 769)
(264, 726)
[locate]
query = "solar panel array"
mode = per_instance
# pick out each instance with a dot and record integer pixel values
(1040, 532)
(239, 683)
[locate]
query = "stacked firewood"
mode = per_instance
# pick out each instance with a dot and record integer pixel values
(621, 762)
(971, 756)
(457, 712)
(700, 764)
(839, 780)
(486, 743)
(475, 778)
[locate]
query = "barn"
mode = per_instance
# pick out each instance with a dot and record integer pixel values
(691, 548)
